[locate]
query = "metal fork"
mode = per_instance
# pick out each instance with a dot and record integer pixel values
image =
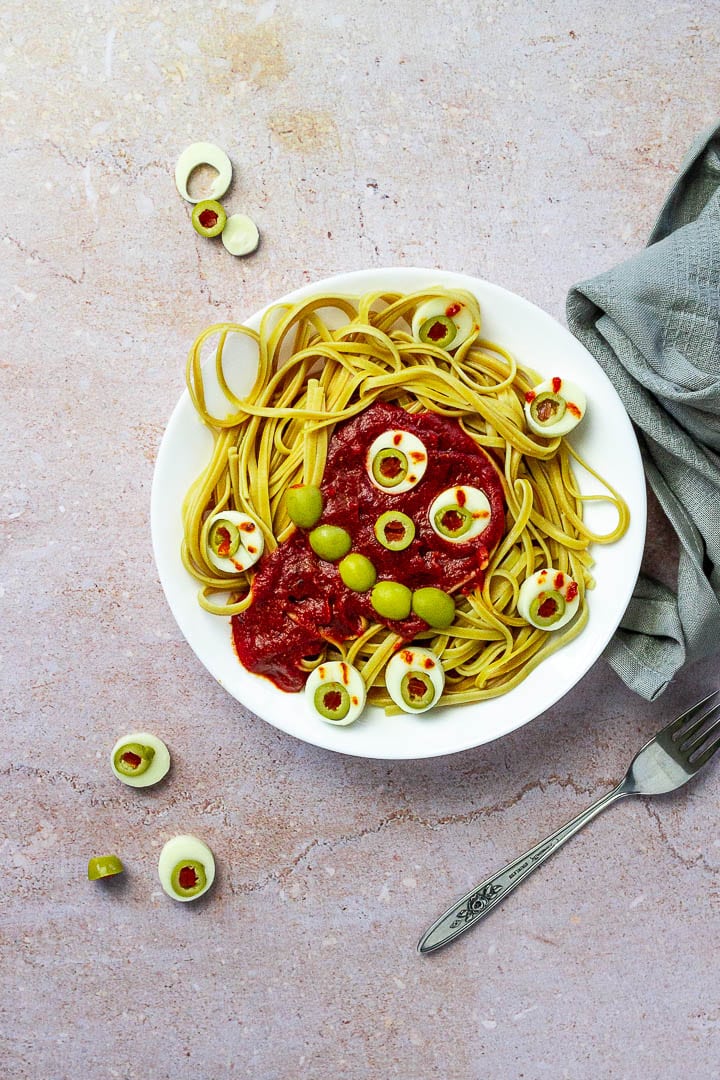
(665, 763)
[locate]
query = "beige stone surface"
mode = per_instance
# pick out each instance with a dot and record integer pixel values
(528, 143)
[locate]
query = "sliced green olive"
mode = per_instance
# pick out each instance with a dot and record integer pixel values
(391, 599)
(224, 538)
(438, 330)
(330, 542)
(188, 878)
(208, 217)
(417, 690)
(357, 572)
(433, 605)
(332, 701)
(453, 520)
(547, 608)
(389, 467)
(304, 504)
(104, 866)
(394, 530)
(133, 759)
(547, 408)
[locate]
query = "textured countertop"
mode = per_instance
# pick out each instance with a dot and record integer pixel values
(528, 144)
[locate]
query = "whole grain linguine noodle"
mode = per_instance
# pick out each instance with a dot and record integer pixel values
(326, 359)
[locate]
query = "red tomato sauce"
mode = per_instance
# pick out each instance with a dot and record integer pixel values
(299, 601)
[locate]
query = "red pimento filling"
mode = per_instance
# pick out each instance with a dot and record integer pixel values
(546, 410)
(548, 608)
(437, 331)
(131, 759)
(224, 545)
(187, 878)
(208, 218)
(332, 700)
(300, 601)
(391, 467)
(452, 521)
(416, 688)
(394, 532)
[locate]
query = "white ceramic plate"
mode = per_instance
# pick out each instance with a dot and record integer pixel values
(605, 439)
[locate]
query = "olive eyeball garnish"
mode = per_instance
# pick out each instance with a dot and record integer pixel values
(415, 679)
(444, 322)
(554, 407)
(396, 461)
(234, 541)
(186, 868)
(335, 692)
(140, 759)
(548, 599)
(460, 513)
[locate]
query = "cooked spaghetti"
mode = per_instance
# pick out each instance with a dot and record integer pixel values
(312, 377)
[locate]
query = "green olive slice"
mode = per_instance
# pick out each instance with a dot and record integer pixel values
(188, 878)
(395, 530)
(453, 520)
(547, 608)
(389, 467)
(332, 701)
(417, 690)
(208, 218)
(224, 538)
(102, 866)
(547, 408)
(438, 330)
(133, 759)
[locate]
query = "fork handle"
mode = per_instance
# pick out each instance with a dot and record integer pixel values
(472, 907)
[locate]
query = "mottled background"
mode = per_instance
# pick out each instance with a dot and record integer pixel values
(530, 144)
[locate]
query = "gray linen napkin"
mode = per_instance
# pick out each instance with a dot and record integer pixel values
(653, 324)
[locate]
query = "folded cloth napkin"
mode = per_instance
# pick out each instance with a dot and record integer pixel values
(653, 324)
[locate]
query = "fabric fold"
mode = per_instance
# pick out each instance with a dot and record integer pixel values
(653, 325)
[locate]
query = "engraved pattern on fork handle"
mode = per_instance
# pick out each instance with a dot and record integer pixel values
(488, 894)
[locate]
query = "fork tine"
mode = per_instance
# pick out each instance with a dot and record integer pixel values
(706, 754)
(700, 732)
(675, 727)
